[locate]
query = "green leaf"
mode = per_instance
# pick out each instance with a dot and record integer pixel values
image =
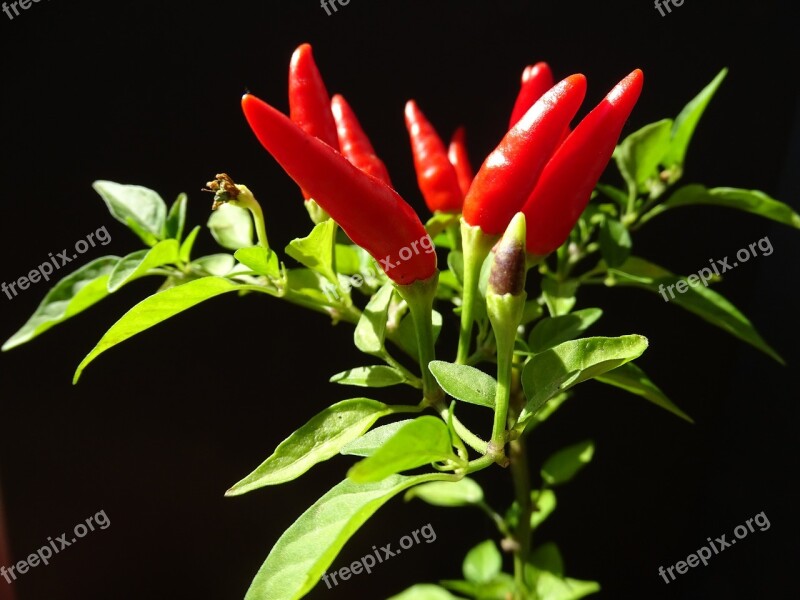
(260, 260)
(405, 336)
(632, 379)
(455, 263)
(376, 376)
(215, 264)
(137, 264)
(141, 209)
(687, 120)
(305, 550)
(422, 441)
(371, 328)
(562, 466)
(559, 296)
(464, 492)
(552, 587)
(545, 503)
(425, 591)
(440, 222)
(368, 443)
(751, 201)
(702, 301)
(465, 383)
(548, 558)
(316, 250)
(570, 363)
(619, 197)
(231, 226)
(615, 242)
(639, 155)
(73, 294)
(482, 563)
(316, 441)
(176, 219)
(157, 308)
(187, 245)
(552, 331)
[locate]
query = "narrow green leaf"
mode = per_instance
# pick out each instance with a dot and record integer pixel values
(545, 503)
(632, 379)
(299, 558)
(570, 363)
(73, 294)
(188, 244)
(465, 383)
(562, 466)
(464, 492)
(316, 441)
(231, 226)
(137, 207)
(137, 264)
(559, 296)
(371, 328)
(702, 301)
(644, 150)
(619, 197)
(316, 250)
(687, 120)
(425, 591)
(376, 376)
(260, 260)
(482, 563)
(422, 441)
(552, 331)
(176, 219)
(368, 443)
(157, 308)
(615, 242)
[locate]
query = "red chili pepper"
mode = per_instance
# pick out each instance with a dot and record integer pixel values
(510, 172)
(568, 179)
(459, 158)
(354, 143)
(369, 211)
(436, 177)
(536, 80)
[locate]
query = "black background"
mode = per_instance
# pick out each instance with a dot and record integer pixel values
(157, 430)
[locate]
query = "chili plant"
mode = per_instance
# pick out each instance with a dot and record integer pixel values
(514, 245)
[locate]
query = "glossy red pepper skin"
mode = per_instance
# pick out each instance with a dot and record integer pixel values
(510, 172)
(354, 143)
(536, 80)
(436, 176)
(459, 158)
(568, 179)
(369, 211)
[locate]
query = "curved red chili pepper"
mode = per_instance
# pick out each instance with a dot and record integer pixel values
(568, 179)
(436, 177)
(509, 173)
(354, 143)
(459, 158)
(536, 80)
(369, 211)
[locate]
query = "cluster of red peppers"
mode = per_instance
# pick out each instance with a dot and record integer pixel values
(540, 168)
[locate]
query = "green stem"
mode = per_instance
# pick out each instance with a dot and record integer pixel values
(522, 489)
(247, 200)
(469, 438)
(476, 247)
(505, 357)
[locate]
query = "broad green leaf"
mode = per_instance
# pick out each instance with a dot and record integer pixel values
(482, 563)
(316, 441)
(425, 591)
(70, 296)
(640, 154)
(545, 503)
(552, 331)
(465, 383)
(368, 443)
(463, 492)
(316, 250)
(570, 363)
(751, 201)
(231, 226)
(371, 328)
(552, 587)
(141, 209)
(138, 263)
(559, 296)
(188, 244)
(216, 264)
(301, 555)
(615, 242)
(376, 376)
(562, 466)
(632, 379)
(176, 219)
(157, 308)
(547, 557)
(702, 301)
(422, 441)
(405, 336)
(260, 260)
(687, 120)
